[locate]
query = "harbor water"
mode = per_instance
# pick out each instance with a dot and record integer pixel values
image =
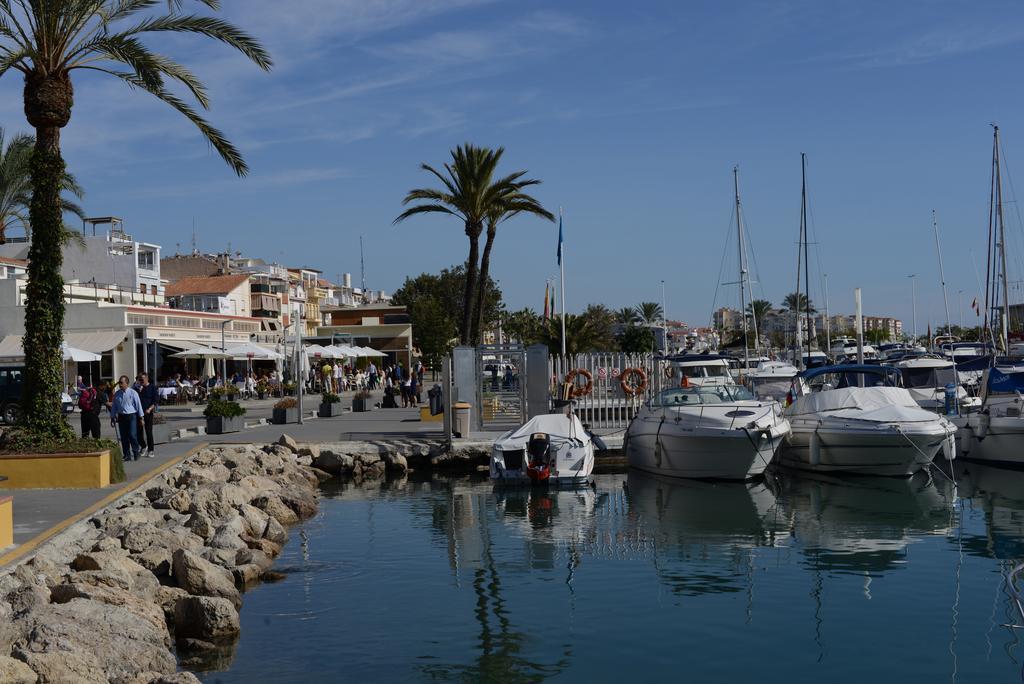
(796, 579)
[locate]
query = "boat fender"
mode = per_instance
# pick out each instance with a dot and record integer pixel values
(598, 442)
(980, 428)
(815, 449)
(578, 391)
(949, 447)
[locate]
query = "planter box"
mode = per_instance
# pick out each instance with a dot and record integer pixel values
(221, 426)
(282, 416)
(330, 410)
(56, 471)
(6, 522)
(161, 433)
(361, 405)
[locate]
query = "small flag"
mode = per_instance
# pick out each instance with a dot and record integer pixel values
(559, 239)
(977, 309)
(929, 332)
(552, 301)
(547, 301)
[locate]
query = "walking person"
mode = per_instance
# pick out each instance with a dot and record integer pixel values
(90, 404)
(148, 397)
(372, 373)
(414, 389)
(125, 410)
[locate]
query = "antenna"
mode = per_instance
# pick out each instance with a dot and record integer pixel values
(362, 266)
(195, 251)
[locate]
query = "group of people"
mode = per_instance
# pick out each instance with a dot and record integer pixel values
(403, 382)
(131, 407)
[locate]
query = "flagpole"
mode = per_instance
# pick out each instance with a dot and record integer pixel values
(561, 273)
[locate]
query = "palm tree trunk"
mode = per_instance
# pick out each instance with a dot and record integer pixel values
(481, 299)
(44, 301)
(466, 334)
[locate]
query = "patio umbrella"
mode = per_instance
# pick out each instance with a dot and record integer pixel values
(342, 351)
(251, 350)
(201, 352)
(316, 350)
(367, 351)
(77, 355)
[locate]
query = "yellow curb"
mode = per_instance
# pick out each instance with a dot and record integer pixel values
(36, 541)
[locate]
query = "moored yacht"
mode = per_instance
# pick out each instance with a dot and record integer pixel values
(700, 369)
(857, 419)
(772, 380)
(927, 377)
(716, 432)
(995, 433)
(547, 449)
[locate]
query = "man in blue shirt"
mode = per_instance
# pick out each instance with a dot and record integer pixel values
(125, 412)
(148, 396)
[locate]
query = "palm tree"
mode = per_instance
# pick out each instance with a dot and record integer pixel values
(649, 313)
(48, 40)
(757, 310)
(791, 303)
(16, 186)
(515, 202)
(582, 334)
(470, 194)
(627, 316)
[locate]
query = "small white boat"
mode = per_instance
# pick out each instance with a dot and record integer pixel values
(857, 419)
(547, 449)
(700, 369)
(995, 434)
(926, 378)
(706, 432)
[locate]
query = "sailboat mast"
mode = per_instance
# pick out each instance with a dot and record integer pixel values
(743, 264)
(797, 360)
(990, 277)
(1002, 249)
(942, 274)
(807, 262)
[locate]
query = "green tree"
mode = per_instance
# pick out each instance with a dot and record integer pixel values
(649, 313)
(472, 194)
(48, 40)
(635, 339)
(627, 316)
(602, 321)
(16, 187)
(581, 334)
(792, 303)
(523, 325)
(757, 310)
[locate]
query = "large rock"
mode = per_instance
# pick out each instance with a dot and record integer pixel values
(333, 462)
(209, 503)
(311, 450)
(112, 566)
(176, 678)
(276, 508)
(258, 485)
(396, 463)
(115, 522)
(207, 618)
(201, 525)
(16, 672)
(275, 531)
(97, 586)
(91, 641)
(138, 538)
(199, 576)
(167, 598)
(179, 500)
(254, 557)
(255, 520)
(302, 501)
(289, 443)
(194, 477)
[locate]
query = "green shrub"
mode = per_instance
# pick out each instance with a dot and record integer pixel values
(221, 408)
(330, 398)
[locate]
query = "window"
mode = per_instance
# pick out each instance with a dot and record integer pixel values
(142, 288)
(146, 260)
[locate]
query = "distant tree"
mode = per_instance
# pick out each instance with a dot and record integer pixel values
(876, 336)
(602, 321)
(581, 335)
(649, 313)
(757, 310)
(636, 339)
(523, 326)
(626, 316)
(791, 303)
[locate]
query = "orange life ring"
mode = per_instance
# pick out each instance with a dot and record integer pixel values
(577, 391)
(670, 372)
(626, 381)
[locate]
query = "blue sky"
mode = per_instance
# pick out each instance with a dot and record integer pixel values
(633, 114)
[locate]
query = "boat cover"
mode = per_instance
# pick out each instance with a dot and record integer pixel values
(881, 404)
(1000, 382)
(554, 424)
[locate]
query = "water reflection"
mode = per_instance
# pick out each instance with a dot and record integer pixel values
(999, 494)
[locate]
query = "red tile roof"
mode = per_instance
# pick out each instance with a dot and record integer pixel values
(205, 285)
(8, 261)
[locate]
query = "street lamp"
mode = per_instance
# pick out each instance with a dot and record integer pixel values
(224, 358)
(913, 300)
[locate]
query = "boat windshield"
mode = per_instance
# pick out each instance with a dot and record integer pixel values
(694, 396)
(770, 388)
(705, 371)
(928, 378)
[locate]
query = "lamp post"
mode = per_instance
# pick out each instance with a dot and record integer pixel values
(913, 301)
(224, 358)
(664, 321)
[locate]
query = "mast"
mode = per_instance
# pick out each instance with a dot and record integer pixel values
(797, 359)
(807, 262)
(1005, 327)
(743, 266)
(942, 274)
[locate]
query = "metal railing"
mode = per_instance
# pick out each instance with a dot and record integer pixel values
(607, 406)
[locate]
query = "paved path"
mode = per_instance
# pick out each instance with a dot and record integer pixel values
(43, 512)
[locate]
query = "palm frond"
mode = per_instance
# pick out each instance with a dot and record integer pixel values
(424, 209)
(211, 27)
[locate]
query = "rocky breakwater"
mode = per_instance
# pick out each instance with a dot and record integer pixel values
(372, 460)
(160, 572)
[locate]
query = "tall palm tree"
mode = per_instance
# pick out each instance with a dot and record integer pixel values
(16, 185)
(627, 316)
(649, 313)
(48, 40)
(471, 194)
(791, 303)
(582, 334)
(757, 310)
(515, 202)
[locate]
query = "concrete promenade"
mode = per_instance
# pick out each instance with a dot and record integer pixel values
(40, 513)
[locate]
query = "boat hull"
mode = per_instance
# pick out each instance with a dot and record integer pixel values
(864, 450)
(702, 453)
(998, 440)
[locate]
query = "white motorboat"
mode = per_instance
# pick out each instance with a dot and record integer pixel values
(772, 380)
(857, 419)
(846, 348)
(547, 449)
(995, 433)
(716, 432)
(927, 377)
(700, 369)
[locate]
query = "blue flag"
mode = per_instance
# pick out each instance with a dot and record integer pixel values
(559, 239)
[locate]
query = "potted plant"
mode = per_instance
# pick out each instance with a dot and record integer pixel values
(330, 405)
(286, 411)
(289, 388)
(262, 389)
(161, 430)
(223, 416)
(361, 401)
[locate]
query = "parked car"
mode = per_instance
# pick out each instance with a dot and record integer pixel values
(10, 394)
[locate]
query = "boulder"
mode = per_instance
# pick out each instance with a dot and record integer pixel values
(289, 443)
(199, 576)
(225, 558)
(106, 543)
(396, 463)
(92, 641)
(114, 523)
(227, 537)
(333, 462)
(311, 450)
(176, 678)
(160, 491)
(273, 462)
(374, 471)
(16, 672)
(195, 477)
(253, 557)
(275, 531)
(166, 598)
(255, 520)
(207, 618)
(82, 587)
(156, 559)
(302, 501)
(276, 508)
(320, 475)
(247, 574)
(201, 525)
(179, 500)
(209, 503)
(136, 578)
(138, 538)
(258, 485)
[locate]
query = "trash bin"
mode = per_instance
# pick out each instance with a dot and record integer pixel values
(436, 400)
(463, 412)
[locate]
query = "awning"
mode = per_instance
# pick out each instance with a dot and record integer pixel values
(10, 347)
(96, 342)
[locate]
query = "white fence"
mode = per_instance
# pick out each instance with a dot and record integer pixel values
(607, 406)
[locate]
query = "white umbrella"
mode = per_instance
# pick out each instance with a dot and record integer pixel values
(317, 350)
(77, 355)
(367, 351)
(201, 352)
(250, 350)
(343, 350)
